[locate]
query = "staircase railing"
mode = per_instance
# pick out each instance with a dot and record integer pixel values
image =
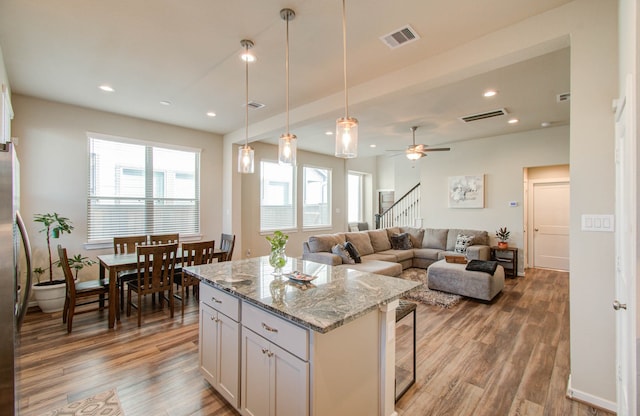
(403, 212)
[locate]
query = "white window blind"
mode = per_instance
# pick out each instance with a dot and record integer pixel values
(141, 188)
(277, 197)
(316, 209)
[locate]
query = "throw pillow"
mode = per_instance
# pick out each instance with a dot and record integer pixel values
(343, 253)
(462, 242)
(401, 242)
(353, 252)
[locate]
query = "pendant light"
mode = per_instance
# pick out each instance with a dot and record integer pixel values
(245, 153)
(287, 143)
(346, 127)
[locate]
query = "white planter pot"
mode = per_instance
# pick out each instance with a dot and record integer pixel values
(50, 298)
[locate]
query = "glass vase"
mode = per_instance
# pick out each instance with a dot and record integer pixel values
(277, 260)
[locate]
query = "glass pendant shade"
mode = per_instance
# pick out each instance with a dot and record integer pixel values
(287, 149)
(245, 159)
(347, 137)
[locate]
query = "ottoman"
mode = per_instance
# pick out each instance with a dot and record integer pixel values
(453, 278)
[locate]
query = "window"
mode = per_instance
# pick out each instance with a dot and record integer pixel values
(316, 209)
(141, 188)
(355, 190)
(277, 197)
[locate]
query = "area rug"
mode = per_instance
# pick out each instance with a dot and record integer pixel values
(102, 404)
(426, 295)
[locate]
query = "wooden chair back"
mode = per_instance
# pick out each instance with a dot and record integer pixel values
(125, 245)
(156, 264)
(68, 275)
(227, 243)
(164, 239)
(197, 253)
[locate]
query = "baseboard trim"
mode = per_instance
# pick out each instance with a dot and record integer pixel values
(590, 399)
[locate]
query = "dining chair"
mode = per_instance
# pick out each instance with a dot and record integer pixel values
(79, 293)
(227, 242)
(156, 264)
(193, 254)
(126, 245)
(164, 239)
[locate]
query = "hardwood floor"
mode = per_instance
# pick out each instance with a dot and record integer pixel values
(510, 357)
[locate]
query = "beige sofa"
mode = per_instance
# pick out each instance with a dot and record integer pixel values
(428, 246)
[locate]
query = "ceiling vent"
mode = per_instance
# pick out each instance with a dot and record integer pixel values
(400, 37)
(254, 105)
(482, 116)
(563, 97)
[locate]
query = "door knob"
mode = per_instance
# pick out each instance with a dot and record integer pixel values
(535, 229)
(617, 305)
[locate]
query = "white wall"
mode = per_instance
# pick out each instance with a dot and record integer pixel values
(54, 167)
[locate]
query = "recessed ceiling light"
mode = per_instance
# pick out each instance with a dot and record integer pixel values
(211, 114)
(513, 121)
(490, 93)
(545, 124)
(106, 88)
(328, 133)
(164, 102)
(373, 145)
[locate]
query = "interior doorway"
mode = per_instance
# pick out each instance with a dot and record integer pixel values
(547, 217)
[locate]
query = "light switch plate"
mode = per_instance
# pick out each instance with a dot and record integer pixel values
(601, 223)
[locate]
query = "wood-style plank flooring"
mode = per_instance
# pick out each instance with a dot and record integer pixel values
(510, 357)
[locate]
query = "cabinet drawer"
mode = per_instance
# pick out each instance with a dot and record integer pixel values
(285, 334)
(221, 301)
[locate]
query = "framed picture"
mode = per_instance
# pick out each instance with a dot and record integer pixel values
(466, 191)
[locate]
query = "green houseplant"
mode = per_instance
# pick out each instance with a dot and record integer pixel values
(277, 257)
(50, 294)
(503, 237)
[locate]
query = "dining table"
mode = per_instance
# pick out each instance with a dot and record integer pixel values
(112, 264)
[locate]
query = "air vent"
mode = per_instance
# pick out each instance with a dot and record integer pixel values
(482, 116)
(400, 37)
(255, 105)
(563, 97)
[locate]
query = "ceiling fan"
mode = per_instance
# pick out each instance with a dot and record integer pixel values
(416, 151)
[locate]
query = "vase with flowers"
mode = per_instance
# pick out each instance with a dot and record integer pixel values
(277, 256)
(503, 237)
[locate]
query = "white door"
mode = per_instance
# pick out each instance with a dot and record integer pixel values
(626, 248)
(550, 202)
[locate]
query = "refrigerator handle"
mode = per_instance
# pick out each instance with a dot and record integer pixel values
(22, 303)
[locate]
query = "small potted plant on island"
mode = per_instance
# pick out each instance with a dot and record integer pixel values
(50, 294)
(503, 236)
(277, 257)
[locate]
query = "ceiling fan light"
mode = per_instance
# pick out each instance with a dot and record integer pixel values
(347, 137)
(413, 155)
(287, 149)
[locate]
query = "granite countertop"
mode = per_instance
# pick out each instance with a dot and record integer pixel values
(335, 297)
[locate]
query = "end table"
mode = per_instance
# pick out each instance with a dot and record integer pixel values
(507, 258)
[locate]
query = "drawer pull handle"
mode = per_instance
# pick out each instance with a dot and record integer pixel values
(268, 328)
(265, 350)
(215, 300)
(269, 354)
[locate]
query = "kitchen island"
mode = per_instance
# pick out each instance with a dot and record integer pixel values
(275, 346)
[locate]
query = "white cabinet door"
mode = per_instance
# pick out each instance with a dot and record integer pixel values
(228, 381)
(255, 375)
(219, 352)
(208, 343)
(274, 381)
(291, 383)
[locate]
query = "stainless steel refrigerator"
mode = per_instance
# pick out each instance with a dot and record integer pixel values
(15, 275)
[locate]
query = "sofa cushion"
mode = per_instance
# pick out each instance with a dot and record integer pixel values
(386, 268)
(353, 251)
(382, 256)
(427, 253)
(462, 242)
(324, 242)
(479, 237)
(379, 240)
(343, 253)
(361, 241)
(400, 255)
(401, 242)
(392, 230)
(435, 238)
(415, 234)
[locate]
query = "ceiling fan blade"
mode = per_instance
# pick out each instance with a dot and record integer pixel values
(436, 149)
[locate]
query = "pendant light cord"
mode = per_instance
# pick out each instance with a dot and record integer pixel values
(344, 53)
(286, 66)
(246, 83)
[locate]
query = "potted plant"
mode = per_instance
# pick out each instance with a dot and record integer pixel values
(277, 257)
(503, 236)
(77, 263)
(50, 294)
